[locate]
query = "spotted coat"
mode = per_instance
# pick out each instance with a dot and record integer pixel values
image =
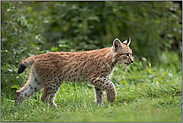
(96, 66)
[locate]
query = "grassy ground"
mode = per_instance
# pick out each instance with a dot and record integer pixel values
(143, 94)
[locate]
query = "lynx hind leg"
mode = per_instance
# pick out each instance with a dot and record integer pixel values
(99, 95)
(50, 90)
(107, 85)
(33, 85)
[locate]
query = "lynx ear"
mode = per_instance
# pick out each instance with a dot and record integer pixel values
(117, 44)
(127, 42)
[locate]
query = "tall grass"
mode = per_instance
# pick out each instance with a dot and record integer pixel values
(144, 93)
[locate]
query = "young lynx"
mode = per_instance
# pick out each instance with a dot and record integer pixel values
(96, 66)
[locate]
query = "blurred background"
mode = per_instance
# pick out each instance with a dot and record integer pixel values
(30, 28)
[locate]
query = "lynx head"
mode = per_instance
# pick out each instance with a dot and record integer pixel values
(122, 54)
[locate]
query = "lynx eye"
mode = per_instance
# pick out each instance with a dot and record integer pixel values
(127, 54)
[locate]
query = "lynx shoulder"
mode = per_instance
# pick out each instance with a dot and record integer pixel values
(50, 70)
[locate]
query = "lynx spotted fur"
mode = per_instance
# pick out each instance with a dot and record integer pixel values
(96, 66)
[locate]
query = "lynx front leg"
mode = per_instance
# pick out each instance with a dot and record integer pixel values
(107, 85)
(99, 97)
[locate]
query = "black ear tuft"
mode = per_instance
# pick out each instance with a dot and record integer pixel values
(127, 42)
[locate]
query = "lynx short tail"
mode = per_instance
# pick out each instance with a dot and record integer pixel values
(29, 61)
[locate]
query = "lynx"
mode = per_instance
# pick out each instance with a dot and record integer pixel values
(50, 70)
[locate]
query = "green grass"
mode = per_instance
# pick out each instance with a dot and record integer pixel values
(143, 94)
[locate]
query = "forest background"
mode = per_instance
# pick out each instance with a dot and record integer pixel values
(31, 28)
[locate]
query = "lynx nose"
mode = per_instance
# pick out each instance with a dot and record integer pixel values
(132, 60)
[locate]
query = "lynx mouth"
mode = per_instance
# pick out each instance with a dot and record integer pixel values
(127, 63)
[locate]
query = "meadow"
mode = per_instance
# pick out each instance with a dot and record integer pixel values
(144, 94)
(148, 90)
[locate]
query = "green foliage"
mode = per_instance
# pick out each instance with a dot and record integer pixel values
(30, 28)
(18, 40)
(153, 26)
(149, 90)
